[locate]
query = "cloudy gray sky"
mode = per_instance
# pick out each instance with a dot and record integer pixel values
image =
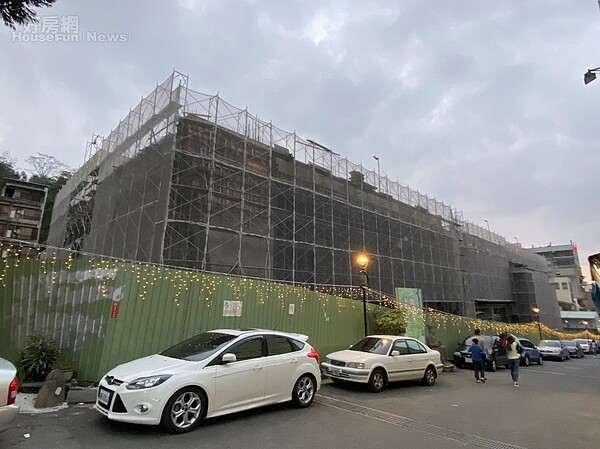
(480, 104)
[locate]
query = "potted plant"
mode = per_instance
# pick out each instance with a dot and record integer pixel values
(37, 359)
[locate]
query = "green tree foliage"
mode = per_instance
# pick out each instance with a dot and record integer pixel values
(46, 167)
(391, 321)
(7, 168)
(21, 12)
(54, 185)
(49, 171)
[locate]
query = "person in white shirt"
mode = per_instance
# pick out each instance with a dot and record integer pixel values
(514, 359)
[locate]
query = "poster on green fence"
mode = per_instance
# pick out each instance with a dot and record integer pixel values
(412, 298)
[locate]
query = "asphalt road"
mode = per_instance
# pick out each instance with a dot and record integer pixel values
(556, 407)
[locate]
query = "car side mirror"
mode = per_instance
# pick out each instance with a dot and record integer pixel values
(228, 358)
(395, 353)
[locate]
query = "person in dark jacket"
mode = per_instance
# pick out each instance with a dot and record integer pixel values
(477, 356)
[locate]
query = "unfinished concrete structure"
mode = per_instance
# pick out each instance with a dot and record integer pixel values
(187, 179)
(21, 212)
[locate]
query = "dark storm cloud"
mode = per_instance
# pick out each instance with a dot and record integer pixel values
(479, 104)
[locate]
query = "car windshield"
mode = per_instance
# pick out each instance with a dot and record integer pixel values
(199, 347)
(569, 343)
(582, 342)
(372, 345)
(554, 344)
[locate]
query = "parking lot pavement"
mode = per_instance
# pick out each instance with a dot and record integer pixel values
(280, 426)
(553, 409)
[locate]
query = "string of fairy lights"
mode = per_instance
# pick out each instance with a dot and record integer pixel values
(182, 282)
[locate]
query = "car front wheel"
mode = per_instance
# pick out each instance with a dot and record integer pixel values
(184, 410)
(540, 360)
(304, 391)
(526, 361)
(377, 380)
(429, 377)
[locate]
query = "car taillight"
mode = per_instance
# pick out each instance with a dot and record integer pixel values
(13, 387)
(313, 354)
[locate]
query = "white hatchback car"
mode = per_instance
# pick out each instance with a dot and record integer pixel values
(8, 393)
(211, 374)
(378, 359)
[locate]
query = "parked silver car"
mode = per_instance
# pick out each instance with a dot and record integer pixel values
(575, 350)
(584, 343)
(378, 359)
(8, 393)
(554, 349)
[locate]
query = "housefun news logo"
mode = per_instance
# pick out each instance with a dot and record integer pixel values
(64, 29)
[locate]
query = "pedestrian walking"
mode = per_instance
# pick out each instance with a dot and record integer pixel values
(477, 357)
(514, 359)
(594, 347)
(487, 351)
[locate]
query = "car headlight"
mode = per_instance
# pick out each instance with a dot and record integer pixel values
(355, 365)
(327, 360)
(147, 382)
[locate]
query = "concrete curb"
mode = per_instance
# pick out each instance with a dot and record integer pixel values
(82, 395)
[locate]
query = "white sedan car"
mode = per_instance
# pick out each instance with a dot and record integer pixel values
(378, 359)
(8, 393)
(212, 374)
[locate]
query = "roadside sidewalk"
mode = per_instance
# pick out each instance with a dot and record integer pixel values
(75, 396)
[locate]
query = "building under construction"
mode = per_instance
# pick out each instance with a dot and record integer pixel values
(188, 180)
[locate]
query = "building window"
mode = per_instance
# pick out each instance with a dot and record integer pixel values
(565, 286)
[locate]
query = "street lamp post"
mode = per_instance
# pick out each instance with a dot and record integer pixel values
(536, 310)
(378, 174)
(363, 260)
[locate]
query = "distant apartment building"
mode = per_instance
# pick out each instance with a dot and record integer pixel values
(565, 275)
(189, 180)
(577, 321)
(21, 211)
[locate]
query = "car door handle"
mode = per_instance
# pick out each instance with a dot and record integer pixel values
(257, 367)
(294, 360)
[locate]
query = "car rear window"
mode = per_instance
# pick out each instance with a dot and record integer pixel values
(199, 347)
(277, 344)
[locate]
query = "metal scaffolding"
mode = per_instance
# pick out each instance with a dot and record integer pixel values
(187, 179)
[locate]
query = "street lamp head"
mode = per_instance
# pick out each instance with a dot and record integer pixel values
(588, 77)
(362, 260)
(535, 309)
